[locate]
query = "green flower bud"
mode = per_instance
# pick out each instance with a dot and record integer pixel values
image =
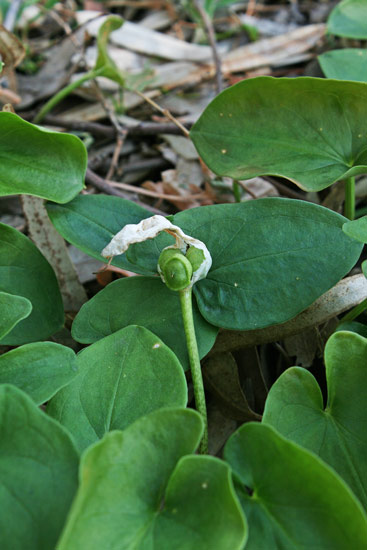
(195, 257)
(175, 269)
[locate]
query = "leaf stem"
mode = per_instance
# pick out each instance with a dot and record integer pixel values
(350, 200)
(355, 312)
(51, 103)
(236, 188)
(192, 349)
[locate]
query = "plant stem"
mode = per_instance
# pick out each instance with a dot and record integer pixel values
(236, 191)
(192, 349)
(350, 199)
(51, 103)
(164, 112)
(355, 312)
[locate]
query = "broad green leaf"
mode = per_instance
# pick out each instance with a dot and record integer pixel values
(144, 301)
(39, 369)
(364, 268)
(337, 433)
(36, 161)
(271, 259)
(133, 494)
(357, 229)
(347, 64)
(90, 221)
(121, 378)
(308, 130)
(13, 309)
(26, 273)
(292, 500)
(38, 474)
(349, 18)
(105, 65)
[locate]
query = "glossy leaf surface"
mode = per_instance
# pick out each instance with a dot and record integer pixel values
(271, 259)
(38, 474)
(144, 301)
(133, 491)
(39, 162)
(39, 369)
(122, 377)
(346, 64)
(336, 433)
(308, 130)
(26, 273)
(357, 229)
(292, 500)
(349, 18)
(13, 309)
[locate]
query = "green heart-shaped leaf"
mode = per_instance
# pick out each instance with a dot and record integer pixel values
(349, 18)
(337, 433)
(357, 229)
(38, 474)
(308, 130)
(13, 309)
(292, 500)
(133, 491)
(39, 369)
(90, 221)
(271, 259)
(26, 273)
(39, 162)
(144, 301)
(122, 377)
(347, 64)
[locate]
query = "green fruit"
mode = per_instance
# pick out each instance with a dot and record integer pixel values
(175, 268)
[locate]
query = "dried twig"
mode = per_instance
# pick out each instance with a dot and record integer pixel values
(164, 112)
(11, 14)
(208, 24)
(102, 130)
(101, 184)
(155, 194)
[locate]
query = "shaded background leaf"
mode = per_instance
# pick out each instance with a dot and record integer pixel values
(28, 274)
(349, 18)
(38, 474)
(39, 369)
(13, 309)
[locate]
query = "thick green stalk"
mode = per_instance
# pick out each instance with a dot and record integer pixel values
(192, 348)
(350, 199)
(51, 103)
